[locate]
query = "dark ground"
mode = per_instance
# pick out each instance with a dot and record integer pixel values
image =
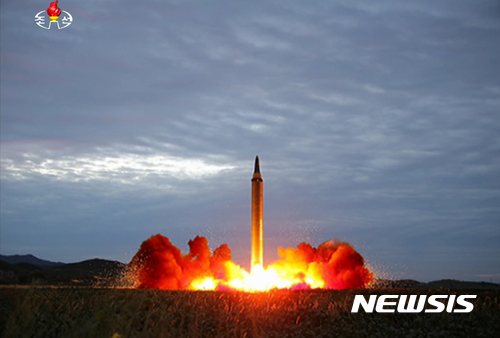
(99, 312)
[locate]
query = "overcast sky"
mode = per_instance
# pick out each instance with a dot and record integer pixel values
(376, 122)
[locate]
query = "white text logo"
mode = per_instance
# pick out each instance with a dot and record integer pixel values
(45, 18)
(391, 303)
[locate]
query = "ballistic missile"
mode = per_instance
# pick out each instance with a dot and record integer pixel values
(257, 217)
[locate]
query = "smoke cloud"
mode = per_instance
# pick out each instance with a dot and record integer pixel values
(160, 265)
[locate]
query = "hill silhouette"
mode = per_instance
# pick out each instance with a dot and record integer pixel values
(28, 269)
(30, 259)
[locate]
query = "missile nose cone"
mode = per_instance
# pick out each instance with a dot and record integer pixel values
(256, 173)
(257, 166)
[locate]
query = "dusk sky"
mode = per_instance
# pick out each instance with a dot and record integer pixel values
(376, 123)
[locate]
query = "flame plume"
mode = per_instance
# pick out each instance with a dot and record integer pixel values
(332, 265)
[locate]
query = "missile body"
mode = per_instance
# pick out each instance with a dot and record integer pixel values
(257, 217)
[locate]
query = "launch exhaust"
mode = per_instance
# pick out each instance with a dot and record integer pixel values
(257, 217)
(158, 264)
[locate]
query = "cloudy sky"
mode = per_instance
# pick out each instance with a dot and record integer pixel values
(376, 122)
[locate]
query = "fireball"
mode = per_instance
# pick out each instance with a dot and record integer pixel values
(333, 265)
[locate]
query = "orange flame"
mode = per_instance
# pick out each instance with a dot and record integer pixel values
(333, 265)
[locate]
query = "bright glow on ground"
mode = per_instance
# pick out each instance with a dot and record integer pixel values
(260, 279)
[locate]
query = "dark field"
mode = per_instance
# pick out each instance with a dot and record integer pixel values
(93, 312)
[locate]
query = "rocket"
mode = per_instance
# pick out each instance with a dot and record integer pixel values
(257, 216)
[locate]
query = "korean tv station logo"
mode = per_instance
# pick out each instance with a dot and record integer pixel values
(52, 17)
